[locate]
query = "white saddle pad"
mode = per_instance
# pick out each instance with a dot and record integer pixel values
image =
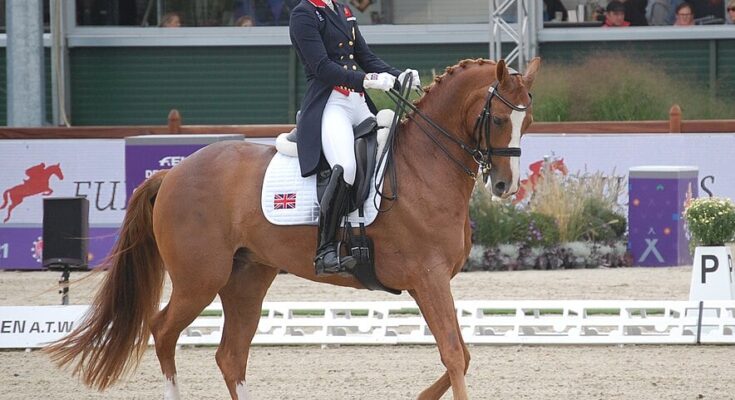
(289, 199)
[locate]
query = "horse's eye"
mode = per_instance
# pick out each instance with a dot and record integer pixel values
(498, 121)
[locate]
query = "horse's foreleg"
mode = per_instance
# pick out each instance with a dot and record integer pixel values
(242, 300)
(437, 306)
(442, 384)
(5, 199)
(12, 206)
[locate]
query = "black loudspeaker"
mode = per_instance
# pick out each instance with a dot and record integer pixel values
(65, 232)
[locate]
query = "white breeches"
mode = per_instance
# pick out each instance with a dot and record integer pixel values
(338, 140)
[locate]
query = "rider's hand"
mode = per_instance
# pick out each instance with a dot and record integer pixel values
(415, 83)
(382, 81)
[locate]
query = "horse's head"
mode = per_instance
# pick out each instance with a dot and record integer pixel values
(56, 170)
(509, 113)
(558, 165)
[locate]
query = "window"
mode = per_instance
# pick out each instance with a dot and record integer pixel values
(192, 13)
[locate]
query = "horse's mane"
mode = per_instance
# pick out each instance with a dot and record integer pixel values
(449, 71)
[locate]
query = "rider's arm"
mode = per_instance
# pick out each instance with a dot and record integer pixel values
(304, 30)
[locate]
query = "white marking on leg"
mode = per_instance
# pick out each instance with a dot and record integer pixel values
(171, 391)
(242, 391)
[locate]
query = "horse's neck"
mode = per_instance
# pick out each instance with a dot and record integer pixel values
(418, 156)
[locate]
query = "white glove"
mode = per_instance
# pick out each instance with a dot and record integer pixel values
(416, 83)
(382, 81)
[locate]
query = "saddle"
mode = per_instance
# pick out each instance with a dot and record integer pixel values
(369, 143)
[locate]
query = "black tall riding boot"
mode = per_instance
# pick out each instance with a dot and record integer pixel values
(332, 209)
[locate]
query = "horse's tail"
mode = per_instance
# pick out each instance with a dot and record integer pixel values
(114, 333)
(5, 199)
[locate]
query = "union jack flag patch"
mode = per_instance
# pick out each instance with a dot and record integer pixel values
(284, 201)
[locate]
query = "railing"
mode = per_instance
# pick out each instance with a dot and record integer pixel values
(675, 124)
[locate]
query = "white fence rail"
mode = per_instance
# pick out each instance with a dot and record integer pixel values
(391, 323)
(485, 322)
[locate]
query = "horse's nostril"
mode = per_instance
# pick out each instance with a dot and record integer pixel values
(500, 187)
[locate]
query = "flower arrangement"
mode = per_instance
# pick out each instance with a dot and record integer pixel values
(711, 221)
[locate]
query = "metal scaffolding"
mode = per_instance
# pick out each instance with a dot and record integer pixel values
(520, 29)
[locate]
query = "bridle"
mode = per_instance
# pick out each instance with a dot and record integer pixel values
(482, 156)
(483, 124)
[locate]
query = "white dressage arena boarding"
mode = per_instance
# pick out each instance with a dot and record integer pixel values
(399, 322)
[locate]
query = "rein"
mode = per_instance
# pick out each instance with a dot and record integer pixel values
(482, 125)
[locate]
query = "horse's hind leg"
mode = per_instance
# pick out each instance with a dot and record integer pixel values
(435, 300)
(242, 299)
(188, 298)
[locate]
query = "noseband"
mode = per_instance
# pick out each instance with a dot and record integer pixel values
(484, 124)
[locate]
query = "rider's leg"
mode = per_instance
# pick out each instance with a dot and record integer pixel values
(338, 139)
(360, 110)
(338, 147)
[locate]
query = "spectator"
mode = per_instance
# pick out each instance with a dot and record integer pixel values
(684, 15)
(730, 12)
(551, 7)
(615, 15)
(170, 20)
(245, 20)
(708, 9)
(661, 12)
(635, 12)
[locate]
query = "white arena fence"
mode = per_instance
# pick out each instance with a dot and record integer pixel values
(393, 323)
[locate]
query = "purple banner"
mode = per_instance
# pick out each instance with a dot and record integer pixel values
(657, 235)
(22, 248)
(142, 161)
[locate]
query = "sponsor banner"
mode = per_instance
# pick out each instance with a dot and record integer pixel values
(34, 169)
(142, 161)
(22, 248)
(614, 154)
(657, 234)
(96, 169)
(146, 155)
(31, 327)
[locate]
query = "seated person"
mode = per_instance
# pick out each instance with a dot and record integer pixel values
(615, 15)
(635, 12)
(661, 12)
(551, 7)
(730, 12)
(170, 20)
(684, 15)
(245, 20)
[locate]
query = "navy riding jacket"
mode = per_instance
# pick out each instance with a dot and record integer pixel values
(334, 54)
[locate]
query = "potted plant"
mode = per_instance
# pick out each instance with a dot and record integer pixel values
(711, 224)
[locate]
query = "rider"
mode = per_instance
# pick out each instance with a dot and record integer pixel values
(334, 54)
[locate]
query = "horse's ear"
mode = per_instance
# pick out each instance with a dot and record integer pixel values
(501, 72)
(531, 70)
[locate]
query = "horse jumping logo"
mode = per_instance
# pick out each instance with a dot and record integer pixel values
(528, 186)
(36, 183)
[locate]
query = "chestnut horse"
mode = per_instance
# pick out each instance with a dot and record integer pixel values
(202, 222)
